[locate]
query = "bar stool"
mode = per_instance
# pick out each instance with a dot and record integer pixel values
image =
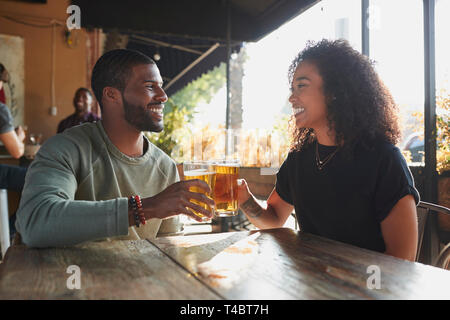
(4, 221)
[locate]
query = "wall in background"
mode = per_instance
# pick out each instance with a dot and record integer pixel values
(70, 61)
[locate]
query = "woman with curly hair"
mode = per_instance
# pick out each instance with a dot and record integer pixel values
(344, 176)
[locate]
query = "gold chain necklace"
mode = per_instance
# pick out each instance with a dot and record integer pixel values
(321, 163)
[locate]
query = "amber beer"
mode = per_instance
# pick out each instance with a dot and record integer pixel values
(225, 190)
(204, 172)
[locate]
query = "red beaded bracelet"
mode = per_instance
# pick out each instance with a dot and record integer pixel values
(139, 205)
(136, 203)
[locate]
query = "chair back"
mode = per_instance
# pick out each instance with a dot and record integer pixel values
(443, 260)
(424, 212)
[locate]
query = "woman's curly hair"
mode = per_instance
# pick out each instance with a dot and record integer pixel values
(359, 106)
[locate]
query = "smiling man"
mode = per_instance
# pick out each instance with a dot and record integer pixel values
(83, 183)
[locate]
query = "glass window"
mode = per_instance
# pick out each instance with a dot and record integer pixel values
(397, 46)
(442, 26)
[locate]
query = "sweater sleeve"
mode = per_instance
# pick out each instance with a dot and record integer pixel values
(48, 215)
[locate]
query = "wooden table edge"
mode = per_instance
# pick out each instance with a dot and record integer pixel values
(195, 276)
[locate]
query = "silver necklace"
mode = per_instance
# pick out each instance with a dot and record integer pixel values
(321, 163)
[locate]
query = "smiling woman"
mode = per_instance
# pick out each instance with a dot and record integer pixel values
(350, 110)
(344, 176)
(308, 101)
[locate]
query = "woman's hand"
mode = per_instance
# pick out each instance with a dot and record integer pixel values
(243, 191)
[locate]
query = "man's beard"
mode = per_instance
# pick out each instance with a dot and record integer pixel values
(140, 118)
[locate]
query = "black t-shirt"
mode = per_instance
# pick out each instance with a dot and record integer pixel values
(347, 199)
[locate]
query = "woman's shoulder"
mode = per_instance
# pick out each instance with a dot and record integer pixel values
(380, 147)
(383, 154)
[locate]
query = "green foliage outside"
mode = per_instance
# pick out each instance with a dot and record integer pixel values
(179, 110)
(443, 134)
(443, 130)
(282, 131)
(174, 122)
(202, 89)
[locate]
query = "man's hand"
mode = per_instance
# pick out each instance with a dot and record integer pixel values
(175, 200)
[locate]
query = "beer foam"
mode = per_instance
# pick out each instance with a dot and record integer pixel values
(197, 172)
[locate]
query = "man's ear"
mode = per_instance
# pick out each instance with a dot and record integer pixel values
(111, 95)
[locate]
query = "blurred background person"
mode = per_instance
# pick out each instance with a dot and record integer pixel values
(82, 102)
(11, 138)
(11, 177)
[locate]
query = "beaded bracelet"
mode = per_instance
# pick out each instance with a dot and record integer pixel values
(136, 203)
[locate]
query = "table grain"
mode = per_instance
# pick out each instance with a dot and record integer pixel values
(287, 264)
(270, 264)
(109, 270)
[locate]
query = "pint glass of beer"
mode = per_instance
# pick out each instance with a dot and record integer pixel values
(202, 170)
(225, 192)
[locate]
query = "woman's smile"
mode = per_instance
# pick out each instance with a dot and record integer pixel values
(297, 110)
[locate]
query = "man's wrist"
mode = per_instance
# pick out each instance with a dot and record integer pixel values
(147, 207)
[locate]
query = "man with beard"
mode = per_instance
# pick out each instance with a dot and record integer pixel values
(82, 102)
(106, 179)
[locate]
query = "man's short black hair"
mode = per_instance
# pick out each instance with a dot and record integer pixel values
(113, 70)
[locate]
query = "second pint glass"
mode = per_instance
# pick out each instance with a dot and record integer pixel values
(225, 191)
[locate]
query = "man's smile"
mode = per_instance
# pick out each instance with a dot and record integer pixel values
(156, 108)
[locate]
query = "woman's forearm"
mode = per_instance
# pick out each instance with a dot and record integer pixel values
(262, 218)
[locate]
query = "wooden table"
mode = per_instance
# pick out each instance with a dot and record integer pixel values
(271, 264)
